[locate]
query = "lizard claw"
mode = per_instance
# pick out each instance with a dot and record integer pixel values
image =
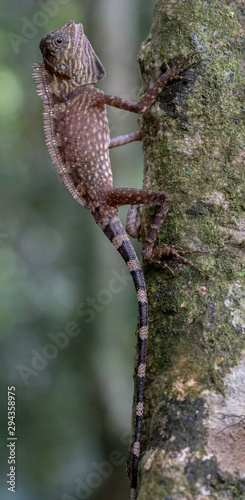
(183, 63)
(183, 78)
(165, 62)
(159, 254)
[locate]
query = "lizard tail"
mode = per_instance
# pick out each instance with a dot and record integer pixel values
(116, 233)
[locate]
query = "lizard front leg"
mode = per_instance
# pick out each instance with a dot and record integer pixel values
(121, 140)
(115, 197)
(182, 64)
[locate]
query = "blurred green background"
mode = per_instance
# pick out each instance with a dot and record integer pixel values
(68, 310)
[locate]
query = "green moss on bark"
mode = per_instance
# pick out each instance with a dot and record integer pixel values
(193, 141)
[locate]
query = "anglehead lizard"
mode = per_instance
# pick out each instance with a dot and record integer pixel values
(78, 139)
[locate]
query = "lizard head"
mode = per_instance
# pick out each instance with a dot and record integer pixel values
(68, 53)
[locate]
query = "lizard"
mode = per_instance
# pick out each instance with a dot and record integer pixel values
(78, 139)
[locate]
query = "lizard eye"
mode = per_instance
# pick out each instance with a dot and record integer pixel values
(58, 41)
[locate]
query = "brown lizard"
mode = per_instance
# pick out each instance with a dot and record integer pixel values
(78, 139)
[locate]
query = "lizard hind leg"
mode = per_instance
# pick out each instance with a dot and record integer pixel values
(116, 197)
(159, 254)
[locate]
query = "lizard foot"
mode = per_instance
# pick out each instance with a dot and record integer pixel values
(183, 63)
(159, 254)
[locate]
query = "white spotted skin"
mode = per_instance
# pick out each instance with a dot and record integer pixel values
(141, 295)
(139, 409)
(143, 333)
(133, 265)
(133, 494)
(136, 448)
(141, 370)
(84, 138)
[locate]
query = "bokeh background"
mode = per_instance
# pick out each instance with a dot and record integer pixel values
(68, 308)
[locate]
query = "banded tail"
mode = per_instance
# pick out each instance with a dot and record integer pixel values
(116, 233)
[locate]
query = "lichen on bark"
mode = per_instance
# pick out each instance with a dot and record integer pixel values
(194, 147)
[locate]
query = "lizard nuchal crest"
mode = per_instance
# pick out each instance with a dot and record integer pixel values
(78, 139)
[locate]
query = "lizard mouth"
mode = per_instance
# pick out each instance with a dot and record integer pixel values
(77, 36)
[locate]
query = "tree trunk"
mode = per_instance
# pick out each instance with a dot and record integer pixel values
(193, 444)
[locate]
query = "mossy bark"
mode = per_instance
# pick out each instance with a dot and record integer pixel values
(193, 444)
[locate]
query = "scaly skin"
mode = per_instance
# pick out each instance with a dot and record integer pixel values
(78, 139)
